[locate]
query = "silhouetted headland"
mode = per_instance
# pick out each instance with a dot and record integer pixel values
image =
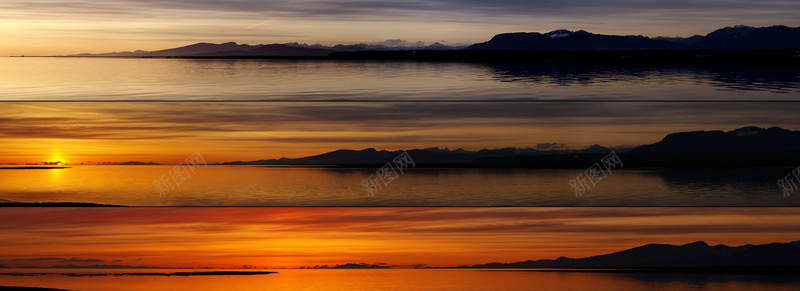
(8, 203)
(199, 273)
(15, 288)
(692, 257)
(33, 168)
(742, 45)
(744, 147)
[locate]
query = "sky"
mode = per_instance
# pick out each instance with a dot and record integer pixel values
(57, 27)
(398, 237)
(168, 132)
(242, 131)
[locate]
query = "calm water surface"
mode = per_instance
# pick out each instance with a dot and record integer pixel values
(410, 280)
(186, 79)
(252, 130)
(310, 186)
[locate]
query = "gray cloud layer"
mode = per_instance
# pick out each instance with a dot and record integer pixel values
(503, 11)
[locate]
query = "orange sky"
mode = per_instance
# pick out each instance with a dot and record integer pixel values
(96, 132)
(293, 237)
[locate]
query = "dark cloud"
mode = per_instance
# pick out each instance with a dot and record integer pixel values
(60, 260)
(77, 260)
(429, 220)
(500, 11)
(422, 123)
(482, 232)
(37, 259)
(549, 146)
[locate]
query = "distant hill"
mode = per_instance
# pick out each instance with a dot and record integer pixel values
(359, 266)
(684, 40)
(746, 37)
(232, 49)
(573, 40)
(129, 163)
(228, 49)
(430, 156)
(200, 48)
(738, 37)
(744, 147)
(270, 50)
(365, 157)
(749, 139)
(697, 254)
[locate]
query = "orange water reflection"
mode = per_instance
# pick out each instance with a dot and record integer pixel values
(417, 280)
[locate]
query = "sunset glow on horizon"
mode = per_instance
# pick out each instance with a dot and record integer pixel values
(167, 133)
(397, 237)
(183, 145)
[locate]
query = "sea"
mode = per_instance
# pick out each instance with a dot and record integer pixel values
(119, 79)
(403, 279)
(393, 105)
(218, 185)
(144, 106)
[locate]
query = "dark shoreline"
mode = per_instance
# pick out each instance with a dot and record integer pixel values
(777, 57)
(55, 204)
(702, 160)
(32, 168)
(744, 270)
(202, 273)
(16, 288)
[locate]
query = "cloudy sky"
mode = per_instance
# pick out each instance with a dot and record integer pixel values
(223, 132)
(48, 27)
(294, 237)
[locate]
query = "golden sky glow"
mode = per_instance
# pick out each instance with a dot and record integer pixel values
(169, 132)
(293, 237)
(54, 27)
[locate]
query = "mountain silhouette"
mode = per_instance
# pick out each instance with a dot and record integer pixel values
(692, 255)
(228, 49)
(749, 139)
(744, 147)
(742, 37)
(684, 40)
(200, 48)
(729, 45)
(270, 50)
(569, 40)
(359, 266)
(429, 156)
(738, 37)
(368, 156)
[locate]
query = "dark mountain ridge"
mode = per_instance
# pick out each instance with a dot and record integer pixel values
(744, 147)
(692, 255)
(228, 49)
(738, 37)
(749, 139)
(742, 37)
(430, 156)
(569, 40)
